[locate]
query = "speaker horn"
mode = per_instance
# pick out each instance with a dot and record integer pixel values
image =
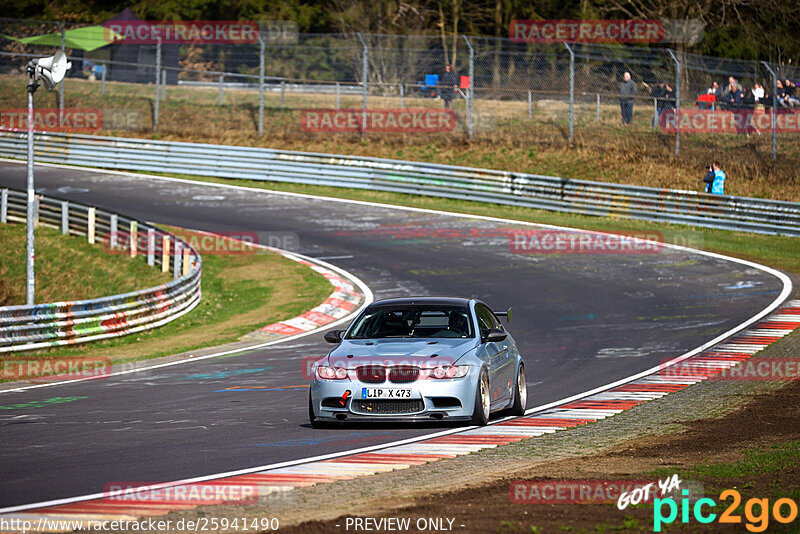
(52, 69)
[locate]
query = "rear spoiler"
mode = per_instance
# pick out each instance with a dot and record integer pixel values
(506, 314)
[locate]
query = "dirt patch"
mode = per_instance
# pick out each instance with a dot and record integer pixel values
(764, 423)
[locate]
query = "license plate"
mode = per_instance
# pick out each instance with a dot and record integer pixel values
(385, 393)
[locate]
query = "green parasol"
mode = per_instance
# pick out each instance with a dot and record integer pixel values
(87, 38)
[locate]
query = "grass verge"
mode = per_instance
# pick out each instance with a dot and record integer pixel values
(240, 294)
(67, 268)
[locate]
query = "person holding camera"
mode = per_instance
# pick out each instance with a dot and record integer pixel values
(715, 179)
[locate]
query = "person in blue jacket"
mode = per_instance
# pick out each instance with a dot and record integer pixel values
(715, 180)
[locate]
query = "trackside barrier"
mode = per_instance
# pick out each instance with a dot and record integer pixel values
(65, 323)
(501, 187)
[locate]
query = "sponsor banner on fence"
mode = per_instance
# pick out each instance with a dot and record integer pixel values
(198, 494)
(567, 242)
(629, 31)
(405, 120)
(184, 31)
(719, 368)
(73, 120)
(729, 121)
(62, 368)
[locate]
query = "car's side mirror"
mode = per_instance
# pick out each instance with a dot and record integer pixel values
(495, 336)
(334, 336)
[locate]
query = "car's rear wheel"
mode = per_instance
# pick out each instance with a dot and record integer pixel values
(520, 394)
(483, 401)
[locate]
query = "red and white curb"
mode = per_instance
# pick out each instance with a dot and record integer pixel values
(573, 413)
(345, 298)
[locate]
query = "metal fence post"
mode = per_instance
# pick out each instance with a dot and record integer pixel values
(677, 102)
(114, 234)
(30, 251)
(177, 256)
(219, 98)
(61, 85)
(103, 79)
(151, 247)
(364, 74)
(164, 83)
(530, 105)
(90, 225)
(4, 206)
(774, 122)
(164, 253)
(36, 206)
(471, 92)
(134, 238)
(64, 217)
(283, 92)
(158, 72)
(598, 108)
(260, 86)
(401, 96)
(337, 95)
(571, 92)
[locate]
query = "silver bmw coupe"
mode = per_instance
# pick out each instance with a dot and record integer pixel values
(419, 359)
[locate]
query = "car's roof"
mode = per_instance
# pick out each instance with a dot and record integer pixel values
(424, 301)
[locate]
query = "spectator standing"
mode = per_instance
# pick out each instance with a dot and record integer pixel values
(758, 92)
(715, 90)
(669, 97)
(657, 93)
(780, 93)
(627, 91)
(715, 179)
(733, 99)
(790, 94)
(448, 85)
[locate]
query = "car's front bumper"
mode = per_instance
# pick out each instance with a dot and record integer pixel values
(449, 399)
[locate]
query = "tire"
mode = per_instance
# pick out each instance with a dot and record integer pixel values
(311, 417)
(483, 401)
(520, 394)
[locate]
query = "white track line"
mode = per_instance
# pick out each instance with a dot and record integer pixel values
(787, 289)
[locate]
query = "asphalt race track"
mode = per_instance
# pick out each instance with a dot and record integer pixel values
(580, 320)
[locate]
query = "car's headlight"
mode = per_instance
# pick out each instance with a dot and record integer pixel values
(326, 372)
(448, 371)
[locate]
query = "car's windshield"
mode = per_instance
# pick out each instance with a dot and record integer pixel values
(413, 321)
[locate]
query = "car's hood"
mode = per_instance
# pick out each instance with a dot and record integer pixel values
(419, 352)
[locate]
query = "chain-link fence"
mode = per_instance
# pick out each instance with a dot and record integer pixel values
(496, 91)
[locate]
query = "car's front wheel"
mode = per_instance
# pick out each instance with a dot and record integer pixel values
(480, 414)
(315, 423)
(520, 394)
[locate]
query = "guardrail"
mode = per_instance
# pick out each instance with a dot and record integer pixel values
(500, 187)
(63, 323)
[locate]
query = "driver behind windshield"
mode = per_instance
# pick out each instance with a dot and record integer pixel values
(456, 326)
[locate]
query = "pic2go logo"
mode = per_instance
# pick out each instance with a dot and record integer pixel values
(756, 511)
